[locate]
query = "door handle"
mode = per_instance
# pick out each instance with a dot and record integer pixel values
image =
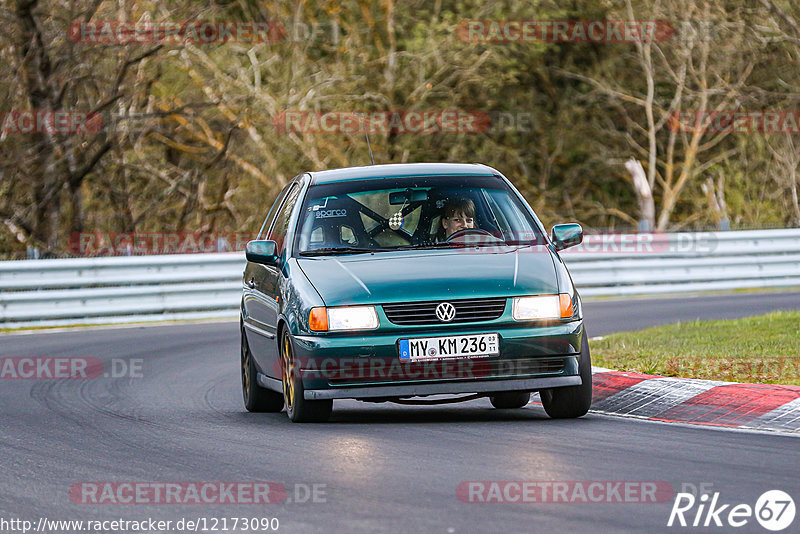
(252, 283)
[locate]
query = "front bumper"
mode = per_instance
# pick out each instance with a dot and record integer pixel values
(438, 388)
(368, 365)
(416, 390)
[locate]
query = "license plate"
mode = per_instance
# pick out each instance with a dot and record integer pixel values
(427, 348)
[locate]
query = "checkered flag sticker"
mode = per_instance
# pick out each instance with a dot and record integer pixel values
(396, 221)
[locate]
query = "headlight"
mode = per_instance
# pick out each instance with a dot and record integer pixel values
(343, 318)
(542, 307)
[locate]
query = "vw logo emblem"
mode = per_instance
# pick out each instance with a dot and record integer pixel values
(446, 312)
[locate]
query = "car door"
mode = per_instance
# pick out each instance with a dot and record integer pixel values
(257, 310)
(264, 282)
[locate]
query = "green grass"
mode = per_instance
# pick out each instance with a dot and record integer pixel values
(763, 349)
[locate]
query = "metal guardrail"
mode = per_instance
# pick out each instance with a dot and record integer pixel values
(685, 262)
(148, 288)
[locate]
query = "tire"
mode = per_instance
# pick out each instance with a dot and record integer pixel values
(256, 398)
(571, 401)
(508, 400)
(298, 408)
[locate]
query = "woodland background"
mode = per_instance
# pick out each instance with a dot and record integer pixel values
(193, 147)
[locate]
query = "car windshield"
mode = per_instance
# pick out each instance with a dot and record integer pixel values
(413, 213)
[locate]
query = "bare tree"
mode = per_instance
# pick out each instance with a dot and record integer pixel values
(702, 69)
(786, 154)
(54, 74)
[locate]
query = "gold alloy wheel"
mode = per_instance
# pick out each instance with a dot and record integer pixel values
(245, 371)
(256, 398)
(288, 363)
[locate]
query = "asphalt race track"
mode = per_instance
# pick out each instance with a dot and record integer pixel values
(377, 468)
(624, 314)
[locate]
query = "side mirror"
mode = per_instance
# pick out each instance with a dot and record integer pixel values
(264, 252)
(566, 235)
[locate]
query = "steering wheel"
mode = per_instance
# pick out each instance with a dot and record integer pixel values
(468, 231)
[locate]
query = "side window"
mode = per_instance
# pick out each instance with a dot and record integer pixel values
(278, 231)
(317, 237)
(273, 212)
(347, 236)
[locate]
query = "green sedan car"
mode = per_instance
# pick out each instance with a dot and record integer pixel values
(401, 282)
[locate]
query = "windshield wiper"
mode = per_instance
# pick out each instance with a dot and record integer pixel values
(450, 244)
(341, 250)
(424, 246)
(463, 244)
(523, 243)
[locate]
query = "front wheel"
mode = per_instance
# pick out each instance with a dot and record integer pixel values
(256, 398)
(298, 408)
(571, 401)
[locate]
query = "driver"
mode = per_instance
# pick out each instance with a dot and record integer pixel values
(458, 214)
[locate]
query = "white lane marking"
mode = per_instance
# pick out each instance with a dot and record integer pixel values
(785, 417)
(653, 396)
(696, 426)
(139, 323)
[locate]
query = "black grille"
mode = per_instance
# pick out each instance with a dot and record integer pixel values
(415, 313)
(392, 371)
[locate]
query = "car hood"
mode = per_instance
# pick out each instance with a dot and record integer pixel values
(431, 275)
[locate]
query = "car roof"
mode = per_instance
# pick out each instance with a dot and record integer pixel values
(396, 170)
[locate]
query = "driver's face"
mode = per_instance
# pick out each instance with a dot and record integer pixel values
(458, 221)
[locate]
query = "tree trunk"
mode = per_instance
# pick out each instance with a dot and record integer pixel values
(644, 195)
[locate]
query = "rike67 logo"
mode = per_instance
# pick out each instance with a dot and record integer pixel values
(774, 510)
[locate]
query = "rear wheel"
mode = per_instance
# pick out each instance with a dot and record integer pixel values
(299, 409)
(256, 398)
(572, 401)
(507, 400)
